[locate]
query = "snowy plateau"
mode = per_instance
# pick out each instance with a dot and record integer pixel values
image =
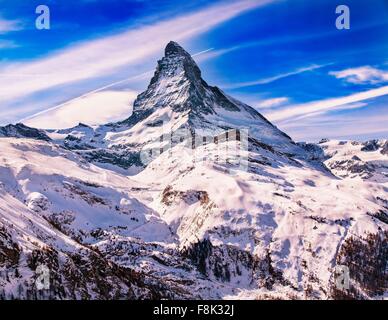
(118, 211)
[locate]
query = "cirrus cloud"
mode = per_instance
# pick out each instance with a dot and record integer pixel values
(271, 103)
(275, 77)
(361, 75)
(99, 57)
(106, 106)
(9, 25)
(324, 105)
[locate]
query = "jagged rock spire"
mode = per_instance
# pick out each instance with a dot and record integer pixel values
(173, 48)
(175, 61)
(177, 83)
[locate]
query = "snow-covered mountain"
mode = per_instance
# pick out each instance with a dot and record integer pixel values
(22, 131)
(365, 160)
(195, 195)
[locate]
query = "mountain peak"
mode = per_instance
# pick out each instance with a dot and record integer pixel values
(177, 61)
(176, 80)
(177, 94)
(173, 48)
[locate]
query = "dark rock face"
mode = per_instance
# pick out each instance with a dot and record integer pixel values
(21, 131)
(191, 196)
(324, 140)
(371, 145)
(174, 55)
(121, 159)
(314, 151)
(381, 215)
(384, 149)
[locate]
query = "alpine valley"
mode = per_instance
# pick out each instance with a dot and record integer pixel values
(161, 206)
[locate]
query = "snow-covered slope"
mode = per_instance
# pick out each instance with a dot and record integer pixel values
(291, 215)
(366, 160)
(77, 196)
(195, 195)
(83, 224)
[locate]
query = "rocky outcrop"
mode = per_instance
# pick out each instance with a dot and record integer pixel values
(20, 130)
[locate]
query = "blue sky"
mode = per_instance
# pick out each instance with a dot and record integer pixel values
(285, 58)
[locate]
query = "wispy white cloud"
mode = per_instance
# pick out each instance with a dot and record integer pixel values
(99, 57)
(9, 25)
(349, 106)
(274, 78)
(352, 106)
(337, 127)
(105, 106)
(362, 75)
(113, 110)
(214, 53)
(324, 105)
(271, 103)
(202, 52)
(7, 44)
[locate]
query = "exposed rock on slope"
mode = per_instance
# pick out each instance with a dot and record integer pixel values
(21, 131)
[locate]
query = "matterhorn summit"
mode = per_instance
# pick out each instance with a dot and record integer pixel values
(178, 96)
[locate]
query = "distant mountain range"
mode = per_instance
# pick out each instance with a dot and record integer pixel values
(194, 196)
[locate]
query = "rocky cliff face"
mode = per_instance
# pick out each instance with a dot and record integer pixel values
(19, 130)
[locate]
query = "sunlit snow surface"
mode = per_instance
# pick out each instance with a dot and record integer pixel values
(274, 207)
